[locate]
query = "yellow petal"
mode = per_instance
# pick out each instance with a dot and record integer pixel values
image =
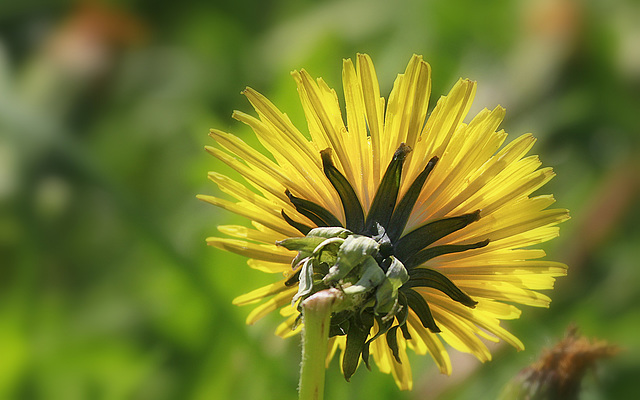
(441, 126)
(257, 162)
(269, 267)
(477, 316)
(305, 175)
(261, 293)
(432, 342)
(474, 146)
(270, 305)
(381, 355)
(263, 252)
(504, 267)
(242, 232)
(459, 333)
(481, 183)
(279, 122)
(402, 371)
(374, 106)
(250, 211)
(407, 107)
(504, 291)
(258, 179)
(357, 127)
(285, 330)
(332, 346)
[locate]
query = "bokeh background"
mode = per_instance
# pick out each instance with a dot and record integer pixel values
(107, 289)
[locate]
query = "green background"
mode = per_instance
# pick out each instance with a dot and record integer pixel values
(107, 289)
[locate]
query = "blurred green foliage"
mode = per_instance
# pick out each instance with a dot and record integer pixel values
(107, 289)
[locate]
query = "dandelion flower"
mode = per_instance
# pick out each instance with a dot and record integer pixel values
(426, 224)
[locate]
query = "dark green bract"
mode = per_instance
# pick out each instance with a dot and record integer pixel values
(370, 261)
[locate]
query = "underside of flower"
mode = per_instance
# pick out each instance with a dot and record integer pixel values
(425, 225)
(370, 261)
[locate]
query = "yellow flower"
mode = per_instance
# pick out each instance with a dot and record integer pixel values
(443, 210)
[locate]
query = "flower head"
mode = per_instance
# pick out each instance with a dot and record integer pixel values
(424, 224)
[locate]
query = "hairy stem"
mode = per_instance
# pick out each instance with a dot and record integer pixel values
(316, 313)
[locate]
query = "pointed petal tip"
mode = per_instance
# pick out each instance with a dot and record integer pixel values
(211, 241)
(211, 150)
(528, 137)
(237, 301)
(416, 58)
(499, 113)
(248, 91)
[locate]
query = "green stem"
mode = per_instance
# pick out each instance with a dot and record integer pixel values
(316, 313)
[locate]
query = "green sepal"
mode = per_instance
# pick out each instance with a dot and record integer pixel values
(397, 273)
(403, 312)
(340, 323)
(431, 252)
(302, 228)
(304, 244)
(426, 277)
(327, 251)
(385, 298)
(421, 237)
(387, 193)
(383, 327)
(385, 246)
(356, 338)
(353, 212)
(305, 285)
(372, 276)
(387, 292)
(405, 332)
(365, 354)
(293, 279)
(405, 206)
(352, 252)
(320, 269)
(330, 232)
(392, 342)
(419, 305)
(315, 212)
(296, 322)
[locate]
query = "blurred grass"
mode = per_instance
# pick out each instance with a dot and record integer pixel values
(107, 289)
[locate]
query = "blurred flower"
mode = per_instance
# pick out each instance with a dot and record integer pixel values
(422, 223)
(86, 41)
(559, 371)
